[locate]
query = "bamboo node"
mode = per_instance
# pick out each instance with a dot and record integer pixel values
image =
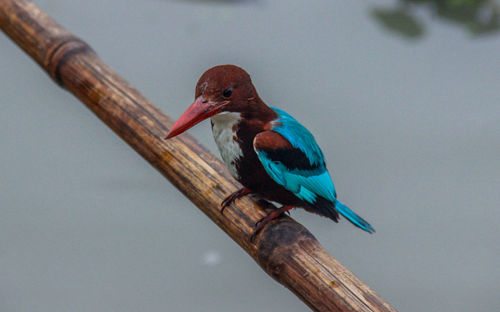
(278, 242)
(61, 51)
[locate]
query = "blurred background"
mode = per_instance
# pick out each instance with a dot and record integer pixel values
(402, 96)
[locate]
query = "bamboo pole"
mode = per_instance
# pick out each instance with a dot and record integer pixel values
(286, 250)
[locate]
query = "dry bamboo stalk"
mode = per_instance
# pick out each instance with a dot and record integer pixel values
(286, 250)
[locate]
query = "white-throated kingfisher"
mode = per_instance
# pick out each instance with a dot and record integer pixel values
(265, 149)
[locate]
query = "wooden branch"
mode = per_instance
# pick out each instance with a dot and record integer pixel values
(285, 249)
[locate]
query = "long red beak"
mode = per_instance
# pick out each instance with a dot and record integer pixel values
(200, 110)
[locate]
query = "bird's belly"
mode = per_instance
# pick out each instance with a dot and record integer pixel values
(224, 127)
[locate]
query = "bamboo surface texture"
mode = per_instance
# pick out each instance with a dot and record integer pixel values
(286, 250)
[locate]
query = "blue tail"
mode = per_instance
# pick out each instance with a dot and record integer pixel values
(353, 217)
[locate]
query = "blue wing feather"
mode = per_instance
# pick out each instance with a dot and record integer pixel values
(298, 136)
(308, 178)
(306, 183)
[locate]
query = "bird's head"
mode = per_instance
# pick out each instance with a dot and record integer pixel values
(223, 88)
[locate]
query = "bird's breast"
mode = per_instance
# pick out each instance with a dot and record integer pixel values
(224, 128)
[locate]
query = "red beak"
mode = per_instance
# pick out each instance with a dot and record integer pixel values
(200, 110)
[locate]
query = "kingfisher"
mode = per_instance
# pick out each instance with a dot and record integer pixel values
(270, 153)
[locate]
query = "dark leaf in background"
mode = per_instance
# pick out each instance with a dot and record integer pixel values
(400, 22)
(478, 17)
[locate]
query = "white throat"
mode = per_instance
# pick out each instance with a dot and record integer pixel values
(224, 130)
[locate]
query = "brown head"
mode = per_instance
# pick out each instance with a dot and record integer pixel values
(223, 88)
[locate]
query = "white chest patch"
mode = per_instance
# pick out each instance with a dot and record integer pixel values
(222, 128)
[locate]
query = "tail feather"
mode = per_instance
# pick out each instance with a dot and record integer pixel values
(353, 217)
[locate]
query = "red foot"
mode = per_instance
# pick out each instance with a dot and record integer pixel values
(271, 216)
(239, 193)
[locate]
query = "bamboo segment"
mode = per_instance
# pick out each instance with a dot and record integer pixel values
(286, 250)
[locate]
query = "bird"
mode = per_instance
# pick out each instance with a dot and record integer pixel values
(265, 149)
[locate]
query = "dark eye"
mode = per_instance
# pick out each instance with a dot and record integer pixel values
(227, 93)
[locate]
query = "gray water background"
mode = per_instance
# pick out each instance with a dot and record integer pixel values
(409, 126)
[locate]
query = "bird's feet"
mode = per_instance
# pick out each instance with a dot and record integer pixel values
(271, 216)
(239, 193)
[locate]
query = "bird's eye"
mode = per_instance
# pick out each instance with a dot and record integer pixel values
(227, 93)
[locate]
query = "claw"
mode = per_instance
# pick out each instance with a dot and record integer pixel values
(258, 222)
(231, 198)
(252, 237)
(259, 225)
